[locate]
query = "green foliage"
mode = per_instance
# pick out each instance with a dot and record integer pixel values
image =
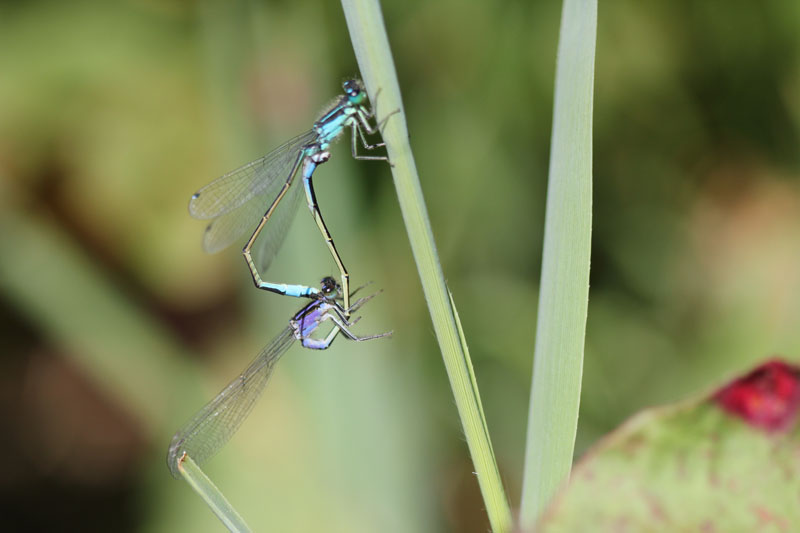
(564, 292)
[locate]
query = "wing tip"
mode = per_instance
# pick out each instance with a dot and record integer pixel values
(192, 207)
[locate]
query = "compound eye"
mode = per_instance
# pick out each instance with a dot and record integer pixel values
(355, 93)
(327, 285)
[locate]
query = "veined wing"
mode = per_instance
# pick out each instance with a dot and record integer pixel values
(215, 424)
(226, 229)
(234, 189)
(277, 227)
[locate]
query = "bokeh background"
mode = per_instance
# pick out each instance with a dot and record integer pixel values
(115, 326)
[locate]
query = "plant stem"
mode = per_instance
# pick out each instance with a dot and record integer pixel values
(216, 501)
(371, 45)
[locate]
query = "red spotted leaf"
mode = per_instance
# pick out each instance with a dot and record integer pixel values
(727, 462)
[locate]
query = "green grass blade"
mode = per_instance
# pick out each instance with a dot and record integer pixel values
(368, 34)
(564, 293)
(205, 488)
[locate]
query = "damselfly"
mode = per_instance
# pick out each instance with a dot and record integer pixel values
(234, 201)
(216, 423)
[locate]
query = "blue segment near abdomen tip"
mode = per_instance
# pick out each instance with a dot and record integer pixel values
(298, 291)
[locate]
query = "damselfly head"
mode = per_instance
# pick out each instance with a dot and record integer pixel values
(355, 91)
(329, 288)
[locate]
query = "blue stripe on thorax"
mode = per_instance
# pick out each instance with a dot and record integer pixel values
(331, 125)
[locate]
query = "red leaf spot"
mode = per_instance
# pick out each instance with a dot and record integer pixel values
(767, 398)
(766, 517)
(707, 527)
(657, 511)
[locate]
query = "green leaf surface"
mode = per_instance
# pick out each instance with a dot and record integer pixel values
(564, 293)
(728, 462)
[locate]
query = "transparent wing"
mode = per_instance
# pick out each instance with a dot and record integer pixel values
(215, 424)
(226, 229)
(277, 227)
(235, 188)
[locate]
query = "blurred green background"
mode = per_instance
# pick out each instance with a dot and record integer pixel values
(116, 327)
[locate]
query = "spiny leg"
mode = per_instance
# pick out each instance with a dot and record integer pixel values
(322, 344)
(339, 310)
(360, 287)
(278, 288)
(340, 326)
(360, 127)
(358, 132)
(344, 325)
(373, 112)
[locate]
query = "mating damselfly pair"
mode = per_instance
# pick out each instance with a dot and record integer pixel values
(267, 187)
